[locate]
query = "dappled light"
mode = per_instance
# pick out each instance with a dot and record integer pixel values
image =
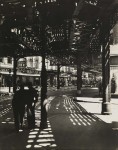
(59, 74)
(41, 138)
(5, 111)
(78, 115)
(68, 120)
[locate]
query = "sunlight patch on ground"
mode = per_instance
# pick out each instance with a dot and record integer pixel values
(5, 111)
(41, 138)
(78, 115)
(89, 99)
(96, 108)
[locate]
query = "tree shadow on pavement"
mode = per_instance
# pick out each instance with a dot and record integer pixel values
(70, 127)
(26, 138)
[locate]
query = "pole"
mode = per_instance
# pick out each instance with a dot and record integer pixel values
(79, 76)
(9, 80)
(43, 123)
(58, 74)
(14, 73)
(105, 33)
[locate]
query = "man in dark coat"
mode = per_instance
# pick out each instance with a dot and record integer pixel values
(18, 105)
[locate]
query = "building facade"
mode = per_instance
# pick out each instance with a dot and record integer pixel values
(29, 70)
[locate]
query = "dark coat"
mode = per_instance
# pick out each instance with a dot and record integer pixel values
(18, 101)
(32, 96)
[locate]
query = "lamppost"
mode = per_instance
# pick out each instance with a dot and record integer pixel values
(9, 80)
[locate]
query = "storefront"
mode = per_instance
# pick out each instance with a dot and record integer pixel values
(6, 78)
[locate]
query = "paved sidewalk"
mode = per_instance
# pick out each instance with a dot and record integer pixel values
(76, 129)
(70, 127)
(93, 104)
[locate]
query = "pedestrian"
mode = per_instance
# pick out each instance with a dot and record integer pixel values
(100, 88)
(113, 85)
(18, 105)
(32, 98)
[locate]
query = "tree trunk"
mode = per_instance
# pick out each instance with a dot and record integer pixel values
(43, 94)
(106, 66)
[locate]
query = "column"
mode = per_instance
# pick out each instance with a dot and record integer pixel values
(79, 76)
(43, 94)
(105, 33)
(14, 73)
(43, 123)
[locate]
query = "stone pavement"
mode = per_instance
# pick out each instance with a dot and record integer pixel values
(72, 125)
(93, 104)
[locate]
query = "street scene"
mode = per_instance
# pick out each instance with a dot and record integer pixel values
(59, 74)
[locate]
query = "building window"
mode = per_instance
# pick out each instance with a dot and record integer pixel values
(9, 60)
(0, 59)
